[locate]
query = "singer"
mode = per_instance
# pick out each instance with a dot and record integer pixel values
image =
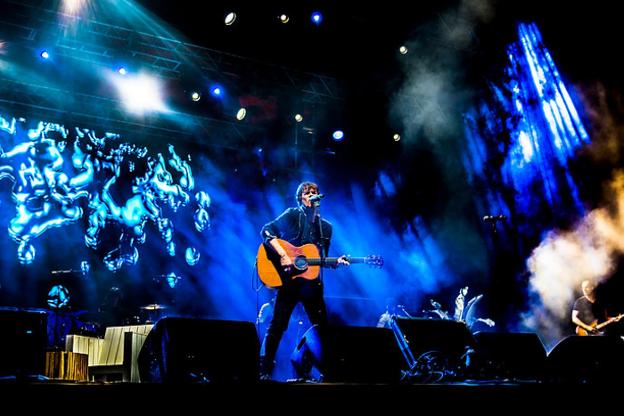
(298, 225)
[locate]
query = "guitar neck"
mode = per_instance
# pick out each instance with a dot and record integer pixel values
(332, 261)
(609, 321)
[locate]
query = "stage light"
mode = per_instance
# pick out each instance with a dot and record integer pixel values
(403, 50)
(242, 112)
(230, 18)
(216, 90)
(72, 6)
(284, 18)
(195, 96)
(316, 18)
(45, 54)
(338, 135)
(396, 137)
(122, 70)
(140, 93)
(298, 118)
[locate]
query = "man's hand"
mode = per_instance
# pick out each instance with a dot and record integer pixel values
(286, 262)
(344, 260)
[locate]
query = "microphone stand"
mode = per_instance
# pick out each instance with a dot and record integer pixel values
(317, 217)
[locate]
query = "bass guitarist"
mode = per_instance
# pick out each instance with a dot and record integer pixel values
(297, 225)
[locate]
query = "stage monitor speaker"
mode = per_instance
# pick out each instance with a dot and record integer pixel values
(519, 356)
(451, 340)
(185, 350)
(349, 354)
(24, 342)
(589, 359)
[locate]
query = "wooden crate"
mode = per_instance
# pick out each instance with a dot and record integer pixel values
(64, 365)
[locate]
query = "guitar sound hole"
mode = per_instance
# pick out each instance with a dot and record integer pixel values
(301, 263)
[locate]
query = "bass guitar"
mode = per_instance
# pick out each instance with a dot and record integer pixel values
(597, 327)
(307, 263)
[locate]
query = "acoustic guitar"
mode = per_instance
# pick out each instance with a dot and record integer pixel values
(307, 263)
(597, 327)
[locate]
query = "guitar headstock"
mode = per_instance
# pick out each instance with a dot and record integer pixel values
(374, 261)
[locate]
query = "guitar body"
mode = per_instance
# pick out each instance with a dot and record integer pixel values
(271, 272)
(582, 332)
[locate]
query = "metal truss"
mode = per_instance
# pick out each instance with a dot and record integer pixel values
(21, 99)
(107, 44)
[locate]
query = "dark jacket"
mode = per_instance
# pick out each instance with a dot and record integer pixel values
(297, 226)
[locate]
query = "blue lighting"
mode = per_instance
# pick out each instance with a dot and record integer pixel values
(58, 296)
(544, 128)
(48, 193)
(216, 90)
(338, 135)
(316, 18)
(44, 54)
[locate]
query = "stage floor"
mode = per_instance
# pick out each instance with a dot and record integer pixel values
(289, 397)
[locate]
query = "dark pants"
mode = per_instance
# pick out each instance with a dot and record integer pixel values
(310, 294)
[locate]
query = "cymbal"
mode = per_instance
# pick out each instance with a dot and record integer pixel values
(153, 307)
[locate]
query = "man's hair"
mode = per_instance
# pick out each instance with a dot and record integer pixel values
(588, 285)
(304, 186)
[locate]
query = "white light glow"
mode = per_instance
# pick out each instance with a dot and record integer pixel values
(73, 6)
(140, 93)
(230, 18)
(338, 135)
(241, 114)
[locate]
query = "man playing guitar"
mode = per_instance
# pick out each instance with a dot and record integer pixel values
(584, 312)
(583, 315)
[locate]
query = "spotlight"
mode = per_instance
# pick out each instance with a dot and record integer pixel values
(140, 93)
(241, 114)
(44, 54)
(298, 118)
(338, 135)
(195, 96)
(403, 50)
(284, 18)
(316, 18)
(230, 18)
(216, 90)
(122, 70)
(73, 6)
(396, 137)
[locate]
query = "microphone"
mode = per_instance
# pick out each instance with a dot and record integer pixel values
(492, 218)
(315, 198)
